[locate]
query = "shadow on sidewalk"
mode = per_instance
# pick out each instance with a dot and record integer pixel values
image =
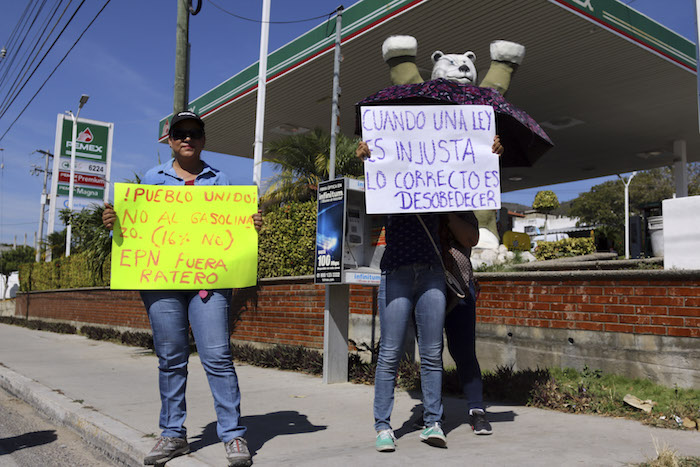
(27, 440)
(261, 429)
(455, 414)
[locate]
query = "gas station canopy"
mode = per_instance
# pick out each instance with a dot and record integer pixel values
(611, 87)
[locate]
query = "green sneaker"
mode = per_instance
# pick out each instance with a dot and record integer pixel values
(434, 436)
(385, 441)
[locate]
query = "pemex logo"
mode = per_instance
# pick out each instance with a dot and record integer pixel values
(166, 128)
(85, 136)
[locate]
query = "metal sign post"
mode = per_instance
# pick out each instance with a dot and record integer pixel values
(262, 80)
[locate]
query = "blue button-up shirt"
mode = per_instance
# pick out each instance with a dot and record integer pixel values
(164, 174)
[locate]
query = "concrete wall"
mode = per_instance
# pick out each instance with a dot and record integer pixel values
(7, 307)
(668, 360)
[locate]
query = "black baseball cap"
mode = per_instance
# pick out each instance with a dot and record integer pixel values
(186, 115)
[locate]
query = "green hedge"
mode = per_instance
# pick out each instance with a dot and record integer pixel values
(286, 248)
(565, 247)
(62, 273)
(287, 241)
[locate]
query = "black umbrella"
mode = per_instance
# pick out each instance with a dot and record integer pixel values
(523, 139)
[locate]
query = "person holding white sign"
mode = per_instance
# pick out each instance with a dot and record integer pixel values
(172, 313)
(413, 287)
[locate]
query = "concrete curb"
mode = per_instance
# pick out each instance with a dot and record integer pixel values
(118, 441)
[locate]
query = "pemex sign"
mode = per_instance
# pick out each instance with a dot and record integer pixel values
(93, 156)
(92, 140)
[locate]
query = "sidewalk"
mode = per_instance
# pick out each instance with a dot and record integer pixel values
(108, 393)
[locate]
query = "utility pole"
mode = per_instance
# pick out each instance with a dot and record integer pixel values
(182, 54)
(47, 154)
(181, 42)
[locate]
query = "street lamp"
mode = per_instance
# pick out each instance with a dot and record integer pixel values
(627, 212)
(83, 99)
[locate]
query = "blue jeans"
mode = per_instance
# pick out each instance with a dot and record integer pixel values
(419, 288)
(460, 328)
(172, 313)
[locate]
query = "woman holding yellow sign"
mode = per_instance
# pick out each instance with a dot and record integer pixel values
(173, 312)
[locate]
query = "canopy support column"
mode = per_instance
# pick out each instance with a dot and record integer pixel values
(680, 168)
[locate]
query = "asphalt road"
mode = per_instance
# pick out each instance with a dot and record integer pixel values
(28, 439)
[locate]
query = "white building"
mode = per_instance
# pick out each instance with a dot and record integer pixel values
(558, 227)
(10, 289)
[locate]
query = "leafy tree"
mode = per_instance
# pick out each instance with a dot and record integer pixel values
(56, 243)
(303, 162)
(11, 259)
(545, 201)
(605, 204)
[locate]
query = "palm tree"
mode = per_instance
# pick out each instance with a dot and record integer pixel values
(303, 162)
(89, 237)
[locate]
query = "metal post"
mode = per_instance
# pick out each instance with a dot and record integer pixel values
(181, 39)
(336, 314)
(336, 321)
(627, 213)
(262, 82)
(335, 112)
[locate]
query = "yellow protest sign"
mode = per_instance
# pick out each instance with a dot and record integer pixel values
(184, 237)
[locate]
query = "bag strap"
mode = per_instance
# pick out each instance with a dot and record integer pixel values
(437, 250)
(450, 279)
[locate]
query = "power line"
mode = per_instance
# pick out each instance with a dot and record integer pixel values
(271, 22)
(14, 31)
(54, 70)
(24, 37)
(21, 223)
(13, 88)
(27, 52)
(7, 106)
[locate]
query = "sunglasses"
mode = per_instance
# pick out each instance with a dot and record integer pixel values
(179, 133)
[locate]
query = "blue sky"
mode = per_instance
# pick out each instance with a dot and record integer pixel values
(125, 62)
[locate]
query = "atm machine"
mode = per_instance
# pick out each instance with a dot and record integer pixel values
(349, 247)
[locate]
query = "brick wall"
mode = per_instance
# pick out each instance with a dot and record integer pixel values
(291, 311)
(652, 305)
(277, 312)
(89, 305)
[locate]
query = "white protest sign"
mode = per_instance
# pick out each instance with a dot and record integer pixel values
(430, 158)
